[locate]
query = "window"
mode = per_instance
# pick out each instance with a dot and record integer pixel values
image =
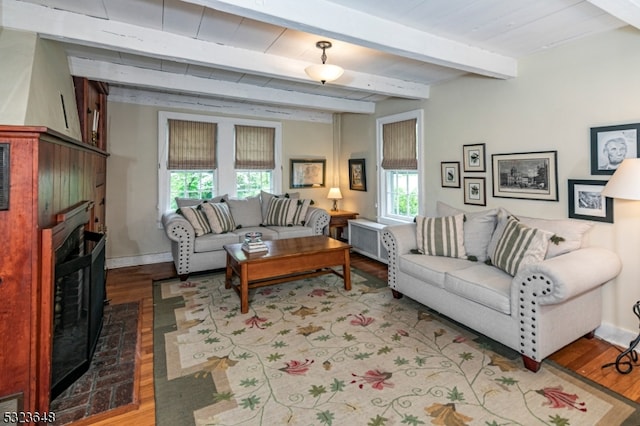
(400, 173)
(205, 156)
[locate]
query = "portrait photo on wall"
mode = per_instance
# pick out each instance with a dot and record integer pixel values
(612, 144)
(357, 175)
(587, 202)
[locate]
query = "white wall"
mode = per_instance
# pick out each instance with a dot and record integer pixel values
(132, 178)
(558, 95)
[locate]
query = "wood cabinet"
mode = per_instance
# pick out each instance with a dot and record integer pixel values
(48, 172)
(91, 98)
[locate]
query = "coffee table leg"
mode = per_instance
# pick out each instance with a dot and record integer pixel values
(228, 276)
(346, 270)
(244, 289)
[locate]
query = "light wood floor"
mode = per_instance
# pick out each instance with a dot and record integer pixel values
(585, 356)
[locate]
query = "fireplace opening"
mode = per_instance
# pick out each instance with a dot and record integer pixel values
(79, 297)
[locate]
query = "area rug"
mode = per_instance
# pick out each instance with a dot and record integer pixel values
(310, 353)
(109, 382)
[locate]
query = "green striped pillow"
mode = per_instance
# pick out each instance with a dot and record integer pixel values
(197, 219)
(441, 236)
(278, 212)
(519, 245)
(300, 212)
(219, 217)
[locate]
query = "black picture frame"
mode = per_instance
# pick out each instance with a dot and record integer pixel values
(450, 174)
(474, 158)
(585, 201)
(307, 173)
(611, 144)
(526, 175)
(475, 192)
(357, 174)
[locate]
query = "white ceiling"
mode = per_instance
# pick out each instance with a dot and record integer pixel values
(239, 52)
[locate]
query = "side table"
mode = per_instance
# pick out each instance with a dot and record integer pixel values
(339, 221)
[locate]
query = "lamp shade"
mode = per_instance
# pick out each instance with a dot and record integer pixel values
(324, 72)
(334, 194)
(625, 182)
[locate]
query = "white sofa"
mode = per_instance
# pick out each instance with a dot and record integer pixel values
(195, 250)
(551, 300)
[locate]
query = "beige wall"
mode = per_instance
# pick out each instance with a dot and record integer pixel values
(132, 175)
(558, 95)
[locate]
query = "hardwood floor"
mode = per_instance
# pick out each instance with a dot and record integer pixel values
(585, 356)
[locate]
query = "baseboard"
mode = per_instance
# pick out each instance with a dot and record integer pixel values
(146, 259)
(615, 335)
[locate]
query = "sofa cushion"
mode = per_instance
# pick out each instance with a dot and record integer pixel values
(519, 245)
(299, 213)
(190, 202)
(246, 212)
(478, 229)
(197, 219)
(265, 200)
(280, 212)
(431, 269)
(441, 236)
(483, 284)
(219, 217)
(295, 231)
(570, 232)
(213, 242)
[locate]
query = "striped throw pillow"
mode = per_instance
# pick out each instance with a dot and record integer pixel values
(300, 212)
(197, 219)
(441, 236)
(219, 217)
(278, 212)
(519, 245)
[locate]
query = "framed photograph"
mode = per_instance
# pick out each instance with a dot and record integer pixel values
(587, 202)
(474, 158)
(527, 175)
(308, 173)
(612, 144)
(450, 174)
(475, 191)
(357, 175)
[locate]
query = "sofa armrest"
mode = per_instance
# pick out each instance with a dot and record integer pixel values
(179, 229)
(563, 277)
(398, 240)
(317, 219)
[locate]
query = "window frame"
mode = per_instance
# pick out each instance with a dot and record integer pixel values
(225, 155)
(383, 209)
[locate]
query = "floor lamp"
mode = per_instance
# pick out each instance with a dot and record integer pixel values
(625, 184)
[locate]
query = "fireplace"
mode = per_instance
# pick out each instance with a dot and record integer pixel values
(78, 298)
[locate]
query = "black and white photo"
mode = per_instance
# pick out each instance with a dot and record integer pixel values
(474, 158)
(450, 174)
(530, 175)
(475, 191)
(587, 202)
(612, 144)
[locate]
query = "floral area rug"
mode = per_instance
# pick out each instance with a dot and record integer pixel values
(310, 353)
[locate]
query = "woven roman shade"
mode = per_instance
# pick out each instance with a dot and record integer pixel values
(255, 148)
(192, 145)
(399, 145)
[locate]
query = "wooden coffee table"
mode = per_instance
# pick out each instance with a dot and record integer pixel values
(286, 260)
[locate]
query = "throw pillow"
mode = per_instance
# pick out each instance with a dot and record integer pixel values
(265, 200)
(246, 212)
(571, 233)
(441, 236)
(197, 219)
(519, 245)
(478, 229)
(219, 217)
(300, 211)
(278, 213)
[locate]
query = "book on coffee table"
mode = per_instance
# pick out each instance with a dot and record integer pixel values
(254, 247)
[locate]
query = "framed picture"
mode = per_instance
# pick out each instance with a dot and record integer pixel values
(528, 175)
(357, 175)
(308, 173)
(475, 191)
(450, 174)
(587, 202)
(612, 144)
(474, 158)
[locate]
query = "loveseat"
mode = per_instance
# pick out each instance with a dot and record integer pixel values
(199, 229)
(531, 284)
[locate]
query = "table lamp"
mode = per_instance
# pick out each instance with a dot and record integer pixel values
(335, 195)
(625, 184)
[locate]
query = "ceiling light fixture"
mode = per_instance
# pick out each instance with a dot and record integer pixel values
(324, 72)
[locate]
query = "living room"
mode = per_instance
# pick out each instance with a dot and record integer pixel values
(559, 94)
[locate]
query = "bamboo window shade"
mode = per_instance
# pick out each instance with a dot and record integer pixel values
(255, 148)
(399, 150)
(192, 145)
